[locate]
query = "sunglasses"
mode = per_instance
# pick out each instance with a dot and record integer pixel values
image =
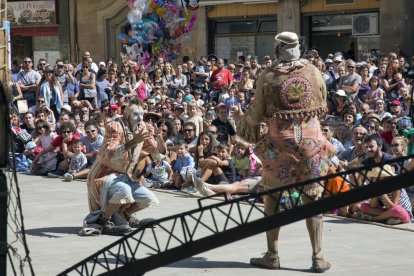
(40, 101)
(395, 145)
(369, 127)
(41, 127)
(85, 111)
(325, 130)
(90, 131)
(85, 67)
(42, 64)
(66, 131)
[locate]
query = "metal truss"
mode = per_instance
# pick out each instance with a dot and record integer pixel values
(167, 240)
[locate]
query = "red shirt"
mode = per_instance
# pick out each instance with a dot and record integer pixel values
(57, 142)
(223, 76)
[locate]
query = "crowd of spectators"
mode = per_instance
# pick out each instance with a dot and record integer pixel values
(59, 112)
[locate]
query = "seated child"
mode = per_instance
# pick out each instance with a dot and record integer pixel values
(158, 173)
(183, 166)
(241, 161)
(78, 160)
(336, 185)
(392, 208)
(220, 168)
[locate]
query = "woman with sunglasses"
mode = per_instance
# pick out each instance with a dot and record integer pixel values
(64, 142)
(130, 75)
(122, 86)
(87, 84)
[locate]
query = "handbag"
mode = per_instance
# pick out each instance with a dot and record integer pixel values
(89, 93)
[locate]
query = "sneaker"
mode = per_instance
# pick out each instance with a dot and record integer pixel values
(362, 216)
(134, 222)
(68, 177)
(109, 228)
(189, 190)
(53, 175)
(393, 221)
(266, 262)
(156, 185)
(202, 187)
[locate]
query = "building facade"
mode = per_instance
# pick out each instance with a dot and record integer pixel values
(228, 28)
(38, 29)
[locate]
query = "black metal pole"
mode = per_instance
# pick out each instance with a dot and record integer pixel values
(3, 223)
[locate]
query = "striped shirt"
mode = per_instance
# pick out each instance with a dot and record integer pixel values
(404, 201)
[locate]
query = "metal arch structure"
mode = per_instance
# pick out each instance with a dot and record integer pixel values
(178, 237)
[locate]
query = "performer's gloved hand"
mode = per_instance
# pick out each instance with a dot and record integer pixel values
(140, 135)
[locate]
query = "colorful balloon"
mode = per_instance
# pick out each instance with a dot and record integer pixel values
(158, 27)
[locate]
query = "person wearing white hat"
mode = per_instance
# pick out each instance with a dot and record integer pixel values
(290, 97)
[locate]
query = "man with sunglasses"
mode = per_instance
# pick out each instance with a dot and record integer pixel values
(28, 79)
(92, 65)
(64, 77)
(329, 131)
(351, 82)
(92, 141)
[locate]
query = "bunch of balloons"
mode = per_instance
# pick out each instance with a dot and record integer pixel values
(158, 27)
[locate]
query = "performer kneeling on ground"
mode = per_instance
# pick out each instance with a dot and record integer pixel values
(114, 191)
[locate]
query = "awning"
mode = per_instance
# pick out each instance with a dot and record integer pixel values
(35, 31)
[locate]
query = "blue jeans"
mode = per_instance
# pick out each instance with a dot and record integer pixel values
(123, 190)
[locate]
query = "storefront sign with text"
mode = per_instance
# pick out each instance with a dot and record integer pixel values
(31, 13)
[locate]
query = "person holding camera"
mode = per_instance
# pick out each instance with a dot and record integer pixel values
(64, 77)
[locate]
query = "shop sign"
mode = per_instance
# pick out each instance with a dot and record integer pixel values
(31, 13)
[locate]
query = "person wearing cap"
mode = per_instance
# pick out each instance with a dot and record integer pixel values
(101, 65)
(340, 99)
(290, 97)
(396, 109)
(51, 90)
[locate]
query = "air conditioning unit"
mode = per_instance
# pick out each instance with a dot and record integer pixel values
(365, 24)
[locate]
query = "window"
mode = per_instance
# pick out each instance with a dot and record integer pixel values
(268, 26)
(235, 27)
(339, 2)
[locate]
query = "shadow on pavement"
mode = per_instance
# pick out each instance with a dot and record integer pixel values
(49, 231)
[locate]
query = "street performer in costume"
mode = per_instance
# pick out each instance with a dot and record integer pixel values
(114, 191)
(290, 97)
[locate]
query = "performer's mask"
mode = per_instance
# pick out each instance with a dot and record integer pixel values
(133, 114)
(286, 52)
